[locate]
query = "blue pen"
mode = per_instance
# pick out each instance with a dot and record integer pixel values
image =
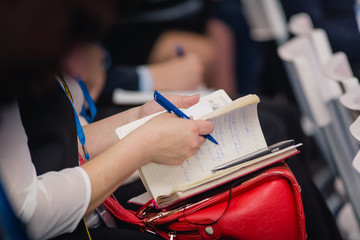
(172, 108)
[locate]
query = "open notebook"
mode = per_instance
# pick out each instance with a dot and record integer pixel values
(238, 132)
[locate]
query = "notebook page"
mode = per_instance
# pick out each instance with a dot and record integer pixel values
(238, 133)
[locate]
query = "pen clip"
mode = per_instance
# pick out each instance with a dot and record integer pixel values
(159, 100)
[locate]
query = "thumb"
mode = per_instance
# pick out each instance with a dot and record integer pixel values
(205, 127)
(183, 101)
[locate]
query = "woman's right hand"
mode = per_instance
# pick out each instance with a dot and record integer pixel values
(165, 139)
(168, 139)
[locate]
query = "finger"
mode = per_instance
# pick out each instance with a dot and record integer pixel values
(205, 127)
(202, 140)
(193, 152)
(183, 101)
(150, 107)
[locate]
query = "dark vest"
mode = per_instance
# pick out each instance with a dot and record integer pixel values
(50, 126)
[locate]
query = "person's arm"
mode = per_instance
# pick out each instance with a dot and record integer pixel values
(55, 202)
(176, 74)
(49, 204)
(165, 139)
(101, 134)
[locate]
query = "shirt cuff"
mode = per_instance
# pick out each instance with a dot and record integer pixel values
(145, 79)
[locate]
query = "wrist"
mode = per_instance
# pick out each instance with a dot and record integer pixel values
(141, 152)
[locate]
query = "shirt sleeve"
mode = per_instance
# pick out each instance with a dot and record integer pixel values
(146, 82)
(49, 204)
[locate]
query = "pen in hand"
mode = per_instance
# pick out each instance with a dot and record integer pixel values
(172, 108)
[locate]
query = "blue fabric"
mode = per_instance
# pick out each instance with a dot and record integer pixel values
(247, 53)
(336, 17)
(121, 76)
(10, 226)
(79, 129)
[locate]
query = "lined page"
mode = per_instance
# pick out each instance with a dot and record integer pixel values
(238, 133)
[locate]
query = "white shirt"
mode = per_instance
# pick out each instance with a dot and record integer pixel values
(49, 204)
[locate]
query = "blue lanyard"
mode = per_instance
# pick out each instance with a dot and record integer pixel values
(79, 129)
(90, 102)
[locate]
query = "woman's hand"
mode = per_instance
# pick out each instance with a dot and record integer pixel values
(179, 101)
(165, 139)
(168, 139)
(105, 128)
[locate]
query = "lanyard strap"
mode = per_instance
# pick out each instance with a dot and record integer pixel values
(90, 102)
(79, 129)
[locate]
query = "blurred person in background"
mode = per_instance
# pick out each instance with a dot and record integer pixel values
(152, 35)
(53, 203)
